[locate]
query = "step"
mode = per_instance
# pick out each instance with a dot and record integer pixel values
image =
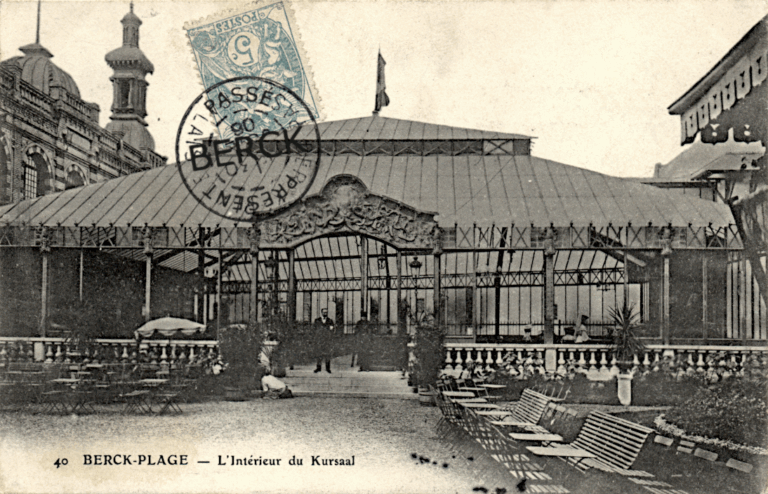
(347, 394)
(348, 381)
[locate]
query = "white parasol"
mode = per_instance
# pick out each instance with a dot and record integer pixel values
(169, 326)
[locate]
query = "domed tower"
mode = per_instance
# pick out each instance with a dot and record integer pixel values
(129, 104)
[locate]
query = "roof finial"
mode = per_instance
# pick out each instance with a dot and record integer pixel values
(37, 36)
(131, 6)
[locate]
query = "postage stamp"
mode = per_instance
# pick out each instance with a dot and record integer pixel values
(258, 40)
(238, 149)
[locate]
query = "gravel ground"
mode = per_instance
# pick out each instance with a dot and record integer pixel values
(381, 434)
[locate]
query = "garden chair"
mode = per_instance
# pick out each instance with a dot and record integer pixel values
(528, 411)
(506, 453)
(605, 442)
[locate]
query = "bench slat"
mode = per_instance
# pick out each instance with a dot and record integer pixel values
(615, 441)
(613, 435)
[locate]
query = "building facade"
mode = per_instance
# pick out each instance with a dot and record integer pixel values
(724, 116)
(50, 138)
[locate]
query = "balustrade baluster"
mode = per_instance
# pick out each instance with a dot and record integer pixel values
(592, 361)
(646, 360)
(48, 352)
(561, 362)
(499, 358)
(581, 363)
(700, 362)
(603, 359)
(469, 361)
(614, 365)
(458, 366)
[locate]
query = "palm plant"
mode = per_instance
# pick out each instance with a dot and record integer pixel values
(626, 345)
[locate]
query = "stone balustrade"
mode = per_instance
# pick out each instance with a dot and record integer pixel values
(107, 350)
(597, 359)
(593, 359)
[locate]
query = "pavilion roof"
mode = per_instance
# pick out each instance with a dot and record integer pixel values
(463, 190)
(389, 129)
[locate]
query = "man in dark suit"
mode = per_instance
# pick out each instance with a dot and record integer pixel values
(362, 342)
(325, 330)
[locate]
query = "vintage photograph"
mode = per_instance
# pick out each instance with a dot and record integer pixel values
(385, 246)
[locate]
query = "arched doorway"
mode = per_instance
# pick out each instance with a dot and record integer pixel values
(345, 250)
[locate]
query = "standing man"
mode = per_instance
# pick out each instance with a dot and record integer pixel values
(325, 330)
(362, 342)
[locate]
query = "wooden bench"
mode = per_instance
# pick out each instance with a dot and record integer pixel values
(614, 442)
(528, 411)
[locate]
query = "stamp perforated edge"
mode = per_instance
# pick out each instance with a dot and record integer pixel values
(295, 31)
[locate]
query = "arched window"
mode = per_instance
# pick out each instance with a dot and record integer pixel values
(74, 179)
(36, 177)
(4, 160)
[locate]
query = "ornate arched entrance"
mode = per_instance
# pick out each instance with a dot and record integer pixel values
(346, 250)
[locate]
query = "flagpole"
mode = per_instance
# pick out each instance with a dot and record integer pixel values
(375, 111)
(382, 99)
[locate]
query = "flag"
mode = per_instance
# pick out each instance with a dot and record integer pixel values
(382, 99)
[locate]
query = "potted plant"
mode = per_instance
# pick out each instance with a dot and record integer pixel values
(625, 347)
(429, 355)
(240, 348)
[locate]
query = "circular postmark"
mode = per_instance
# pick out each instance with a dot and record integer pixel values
(247, 148)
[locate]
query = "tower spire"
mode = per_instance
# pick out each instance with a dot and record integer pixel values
(129, 103)
(37, 35)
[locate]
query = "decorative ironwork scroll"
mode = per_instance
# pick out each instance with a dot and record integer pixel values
(346, 206)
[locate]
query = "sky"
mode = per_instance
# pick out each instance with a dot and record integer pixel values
(590, 80)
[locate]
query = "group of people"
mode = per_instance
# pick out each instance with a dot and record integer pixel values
(326, 338)
(578, 334)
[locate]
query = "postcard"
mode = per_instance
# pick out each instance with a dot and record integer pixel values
(306, 246)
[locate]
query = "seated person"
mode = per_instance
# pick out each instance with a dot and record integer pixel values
(570, 335)
(274, 388)
(582, 336)
(527, 335)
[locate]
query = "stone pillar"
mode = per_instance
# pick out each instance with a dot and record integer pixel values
(45, 251)
(437, 253)
(549, 287)
(148, 253)
(401, 323)
(666, 251)
(291, 286)
(626, 278)
(550, 355)
(364, 275)
(219, 274)
(81, 273)
(255, 241)
(475, 296)
(202, 308)
(704, 289)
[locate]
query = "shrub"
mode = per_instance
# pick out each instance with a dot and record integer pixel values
(428, 347)
(735, 410)
(240, 348)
